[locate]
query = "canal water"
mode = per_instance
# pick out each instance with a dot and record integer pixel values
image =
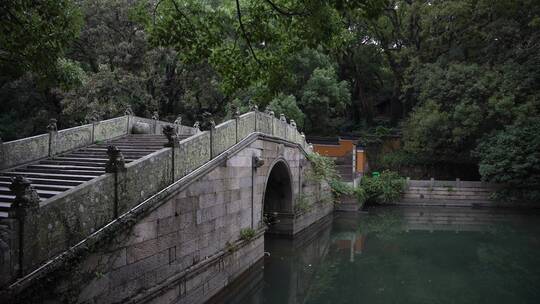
(401, 255)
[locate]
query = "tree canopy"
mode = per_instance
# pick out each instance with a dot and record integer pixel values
(447, 75)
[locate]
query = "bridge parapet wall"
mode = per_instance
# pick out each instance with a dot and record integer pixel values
(25, 150)
(192, 153)
(223, 137)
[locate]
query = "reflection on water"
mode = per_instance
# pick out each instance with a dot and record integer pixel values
(402, 255)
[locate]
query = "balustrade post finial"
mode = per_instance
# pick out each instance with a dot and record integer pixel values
(26, 197)
(235, 111)
(128, 111)
(93, 117)
(116, 162)
(253, 107)
(282, 118)
(155, 117)
(178, 123)
(53, 129)
(293, 123)
(170, 132)
(178, 120)
(52, 126)
(208, 122)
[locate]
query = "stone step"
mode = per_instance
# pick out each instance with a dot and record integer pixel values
(138, 141)
(59, 188)
(67, 167)
(59, 182)
(64, 171)
(465, 219)
(42, 193)
(5, 206)
(7, 198)
(101, 161)
(129, 147)
(81, 178)
(422, 212)
(454, 192)
(442, 203)
(104, 154)
(97, 149)
(476, 189)
(446, 196)
(446, 227)
(74, 163)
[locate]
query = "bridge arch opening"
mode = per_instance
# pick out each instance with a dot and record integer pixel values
(278, 192)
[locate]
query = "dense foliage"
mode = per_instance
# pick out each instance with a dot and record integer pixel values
(385, 188)
(444, 74)
(512, 157)
(324, 169)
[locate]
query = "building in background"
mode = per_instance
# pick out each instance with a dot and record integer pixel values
(350, 158)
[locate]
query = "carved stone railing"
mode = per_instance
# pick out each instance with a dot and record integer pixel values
(65, 219)
(25, 150)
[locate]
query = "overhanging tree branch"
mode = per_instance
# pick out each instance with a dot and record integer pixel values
(242, 28)
(283, 11)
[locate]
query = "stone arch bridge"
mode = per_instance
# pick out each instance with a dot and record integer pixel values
(115, 212)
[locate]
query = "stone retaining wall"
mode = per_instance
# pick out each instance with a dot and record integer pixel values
(448, 193)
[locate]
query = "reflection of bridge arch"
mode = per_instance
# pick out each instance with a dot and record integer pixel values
(278, 191)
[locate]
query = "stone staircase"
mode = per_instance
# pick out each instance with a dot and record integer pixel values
(62, 172)
(344, 166)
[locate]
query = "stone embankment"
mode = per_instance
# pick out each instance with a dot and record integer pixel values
(448, 193)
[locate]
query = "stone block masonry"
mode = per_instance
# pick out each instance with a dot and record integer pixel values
(181, 211)
(448, 193)
(189, 248)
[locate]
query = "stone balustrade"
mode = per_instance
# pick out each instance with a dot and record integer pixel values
(25, 150)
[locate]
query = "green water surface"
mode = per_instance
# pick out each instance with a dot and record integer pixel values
(402, 255)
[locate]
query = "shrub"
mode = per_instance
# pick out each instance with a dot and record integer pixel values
(247, 234)
(340, 188)
(324, 169)
(302, 204)
(385, 188)
(361, 196)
